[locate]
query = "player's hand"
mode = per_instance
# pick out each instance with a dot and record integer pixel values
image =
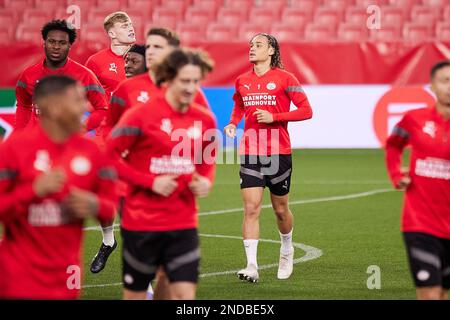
(403, 183)
(230, 130)
(81, 204)
(164, 185)
(49, 182)
(263, 116)
(200, 186)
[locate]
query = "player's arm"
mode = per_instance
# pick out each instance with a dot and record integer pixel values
(117, 105)
(296, 94)
(24, 104)
(236, 114)
(98, 99)
(106, 190)
(395, 145)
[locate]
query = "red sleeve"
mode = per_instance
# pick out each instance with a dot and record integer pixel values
(97, 97)
(117, 105)
(207, 167)
(24, 103)
(106, 186)
(296, 94)
(12, 196)
(90, 64)
(122, 138)
(200, 98)
(238, 109)
(395, 145)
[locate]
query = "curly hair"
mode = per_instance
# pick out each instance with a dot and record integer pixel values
(61, 25)
(168, 69)
(276, 57)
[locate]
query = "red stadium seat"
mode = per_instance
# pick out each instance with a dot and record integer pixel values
(327, 16)
(36, 17)
(95, 36)
(425, 15)
(18, 5)
(406, 5)
(169, 22)
(356, 15)
(392, 16)
(27, 33)
(190, 33)
(275, 5)
(211, 5)
(306, 5)
(6, 34)
(231, 16)
(446, 13)
(97, 16)
(338, 4)
(367, 3)
(145, 6)
(287, 33)
(295, 15)
(435, 3)
(199, 16)
(386, 33)
(248, 30)
(112, 5)
(263, 16)
(51, 5)
(239, 4)
(167, 13)
(443, 31)
(84, 5)
(352, 32)
(319, 33)
(9, 17)
(177, 5)
(221, 32)
(417, 32)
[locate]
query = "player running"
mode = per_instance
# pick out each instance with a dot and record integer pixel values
(108, 64)
(426, 209)
(51, 179)
(135, 61)
(264, 95)
(164, 157)
(58, 38)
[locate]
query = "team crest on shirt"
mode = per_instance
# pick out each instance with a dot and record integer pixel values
(271, 86)
(80, 165)
(166, 126)
(143, 97)
(113, 67)
(430, 128)
(42, 161)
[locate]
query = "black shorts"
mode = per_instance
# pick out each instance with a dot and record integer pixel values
(143, 252)
(429, 259)
(272, 171)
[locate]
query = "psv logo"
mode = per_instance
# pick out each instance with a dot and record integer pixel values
(113, 67)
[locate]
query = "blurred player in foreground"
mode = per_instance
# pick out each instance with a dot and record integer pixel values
(168, 159)
(426, 209)
(264, 95)
(51, 180)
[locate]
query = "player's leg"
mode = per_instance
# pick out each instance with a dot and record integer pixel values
(183, 290)
(429, 293)
(162, 288)
(444, 294)
(108, 245)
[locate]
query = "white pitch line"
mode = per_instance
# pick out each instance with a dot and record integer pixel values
(298, 202)
(311, 253)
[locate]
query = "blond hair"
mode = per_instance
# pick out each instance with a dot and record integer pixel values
(114, 17)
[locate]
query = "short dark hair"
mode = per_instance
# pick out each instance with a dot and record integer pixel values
(52, 85)
(171, 37)
(61, 25)
(138, 48)
(438, 66)
(275, 61)
(168, 69)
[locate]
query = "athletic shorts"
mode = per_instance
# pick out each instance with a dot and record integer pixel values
(429, 259)
(143, 252)
(272, 171)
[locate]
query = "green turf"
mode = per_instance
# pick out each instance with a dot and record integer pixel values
(352, 234)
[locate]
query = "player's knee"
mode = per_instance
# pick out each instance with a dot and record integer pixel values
(429, 294)
(281, 211)
(252, 209)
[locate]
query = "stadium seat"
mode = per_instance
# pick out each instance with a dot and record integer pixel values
(51, 5)
(352, 32)
(144, 6)
(275, 5)
(338, 4)
(6, 34)
(221, 32)
(367, 3)
(162, 22)
(239, 4)
(9, 17)
(425, 15)
(97, 16)
(392, 16)
(306, 5)
(295, 16)
(356, 15)
(327, 16)
(210, 5)
(162, 13)
(95, 36)
(177, 5)
(36, 17)
(417, 32)
(199, 16)
(443, 31)
(435, 3)
(386, 33)
(263, 16)
(28, 33)
(446, 13)
(248, 30)
(287, 33)
(190, 33)
(18, 5)
(113, 5)
(404, 4)
(231, 16)
(319, 33)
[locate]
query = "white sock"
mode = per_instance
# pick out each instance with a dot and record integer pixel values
(108, 236)
(286, 242)
(150, 292)
(251, 250)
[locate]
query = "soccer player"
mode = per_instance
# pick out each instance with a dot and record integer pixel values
(135, 61)
(51, 179)
(58, 38)
(138, 90)
(164, 157)
(108, 64)
(426, 208)
(264, 95)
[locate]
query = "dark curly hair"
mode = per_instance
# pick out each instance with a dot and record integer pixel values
(168, 69)
(61, 25)
(276, 57)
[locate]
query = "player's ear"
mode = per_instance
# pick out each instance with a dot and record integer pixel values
(111, 34)
(271, 51)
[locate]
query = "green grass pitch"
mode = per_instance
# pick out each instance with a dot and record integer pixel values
(352, 235)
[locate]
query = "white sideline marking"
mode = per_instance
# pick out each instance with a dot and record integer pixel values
(311, 253)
